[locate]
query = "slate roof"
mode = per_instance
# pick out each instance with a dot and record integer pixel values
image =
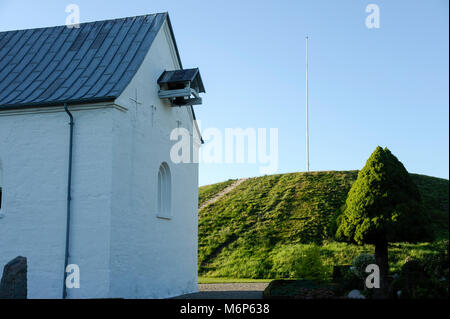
(56, 65)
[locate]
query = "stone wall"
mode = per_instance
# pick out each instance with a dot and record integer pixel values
(13, 284)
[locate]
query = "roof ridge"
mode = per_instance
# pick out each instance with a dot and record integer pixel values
(88, 22)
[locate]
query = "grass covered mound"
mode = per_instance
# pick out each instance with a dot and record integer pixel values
(207, 192)
(261, 227)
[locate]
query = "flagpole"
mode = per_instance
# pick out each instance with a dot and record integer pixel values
(307, 124)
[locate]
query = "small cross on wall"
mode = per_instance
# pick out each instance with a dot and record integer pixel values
(135, 99)
(153, 113)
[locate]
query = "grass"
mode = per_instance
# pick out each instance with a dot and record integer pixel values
(221, 280)
(207, 192)
(434, 193)
(260, 228)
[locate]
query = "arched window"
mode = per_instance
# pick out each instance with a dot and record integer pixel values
(164, 192)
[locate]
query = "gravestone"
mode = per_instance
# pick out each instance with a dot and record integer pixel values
(14, 279)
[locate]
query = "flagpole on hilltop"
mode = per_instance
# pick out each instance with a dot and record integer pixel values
(307, 124)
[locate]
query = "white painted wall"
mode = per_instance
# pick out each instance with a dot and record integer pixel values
(1, 183)
(34, 156)
(122, 248)
(151, 257)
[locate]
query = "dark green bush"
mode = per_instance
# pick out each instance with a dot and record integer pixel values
(360, 263)
(346, 280)
(311, 265)
(384, 205)
(340, 271)
(415, 282)
(436, 265)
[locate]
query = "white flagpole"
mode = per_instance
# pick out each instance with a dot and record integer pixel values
(307, 128)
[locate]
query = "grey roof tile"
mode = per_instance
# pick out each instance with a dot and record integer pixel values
(50, 66)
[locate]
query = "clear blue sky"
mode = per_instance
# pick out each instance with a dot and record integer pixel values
(368, 87)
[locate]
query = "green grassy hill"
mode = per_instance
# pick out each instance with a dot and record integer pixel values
(259, 229)
(207, 192)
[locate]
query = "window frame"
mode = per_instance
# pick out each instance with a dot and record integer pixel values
(164, 192)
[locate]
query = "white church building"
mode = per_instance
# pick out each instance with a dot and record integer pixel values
(86, 175)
